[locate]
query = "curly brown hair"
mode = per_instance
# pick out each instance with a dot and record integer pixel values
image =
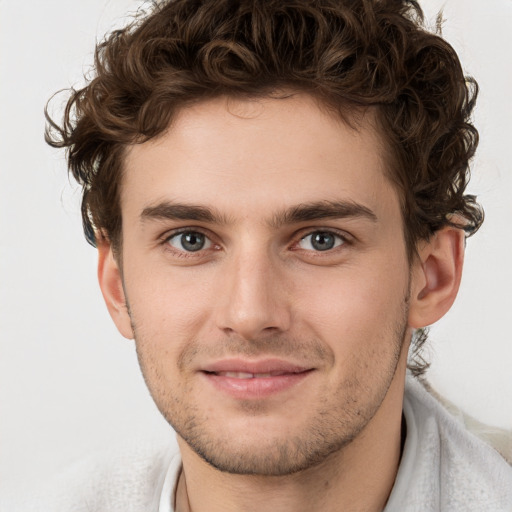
(349, 54)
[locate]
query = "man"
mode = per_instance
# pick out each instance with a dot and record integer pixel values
(277, 193)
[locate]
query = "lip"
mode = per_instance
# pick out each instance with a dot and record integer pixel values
(260, 366)
(248, 380)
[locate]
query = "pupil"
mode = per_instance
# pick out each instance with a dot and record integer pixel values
(322, 241)
(192, 241)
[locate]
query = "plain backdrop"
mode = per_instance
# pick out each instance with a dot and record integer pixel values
(69, 383)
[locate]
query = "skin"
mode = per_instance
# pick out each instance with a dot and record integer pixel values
(261, 289)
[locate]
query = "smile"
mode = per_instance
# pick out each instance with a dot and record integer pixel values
(246, 375)
(249, 380)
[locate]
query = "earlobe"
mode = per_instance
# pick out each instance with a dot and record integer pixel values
(436, 276)
(111, 284)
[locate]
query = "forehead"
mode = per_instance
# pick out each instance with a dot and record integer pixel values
(248, 157)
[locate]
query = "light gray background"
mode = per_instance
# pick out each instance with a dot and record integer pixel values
(68, 382)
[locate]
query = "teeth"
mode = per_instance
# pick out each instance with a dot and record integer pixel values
(237, 375)
(245, 375)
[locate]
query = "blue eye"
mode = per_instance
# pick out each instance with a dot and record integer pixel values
(321, 241)
(189, 241)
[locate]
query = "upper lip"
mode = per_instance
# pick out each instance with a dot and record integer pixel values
(260, 366)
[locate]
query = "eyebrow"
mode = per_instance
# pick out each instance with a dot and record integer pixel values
(168, 210)
(304, 212)
(319, 210)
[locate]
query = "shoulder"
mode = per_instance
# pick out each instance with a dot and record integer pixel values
(458, 469)
(126, 478)
(498, 438)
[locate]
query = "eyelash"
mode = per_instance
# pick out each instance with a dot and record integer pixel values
(182, 253)
(346, 240)
(343, 237)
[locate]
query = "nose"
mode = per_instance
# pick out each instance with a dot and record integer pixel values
(253, 300)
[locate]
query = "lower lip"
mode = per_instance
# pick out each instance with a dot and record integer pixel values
(258, 387)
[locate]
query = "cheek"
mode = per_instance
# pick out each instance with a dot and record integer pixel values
(356, 309)
(168, 307)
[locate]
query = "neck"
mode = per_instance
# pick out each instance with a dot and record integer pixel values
(359, 477)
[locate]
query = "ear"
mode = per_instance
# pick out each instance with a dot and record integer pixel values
(436, 276)
(111, 284)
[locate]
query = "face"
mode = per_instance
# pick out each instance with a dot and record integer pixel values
(266, 278)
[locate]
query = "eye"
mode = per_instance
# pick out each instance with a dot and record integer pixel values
(189, 241)
(321, 241)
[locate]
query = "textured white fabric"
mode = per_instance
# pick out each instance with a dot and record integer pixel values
(127, 478)
(168, 494)
(444, 468)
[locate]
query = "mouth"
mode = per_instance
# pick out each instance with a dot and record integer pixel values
(254, 379)
(247, 375)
